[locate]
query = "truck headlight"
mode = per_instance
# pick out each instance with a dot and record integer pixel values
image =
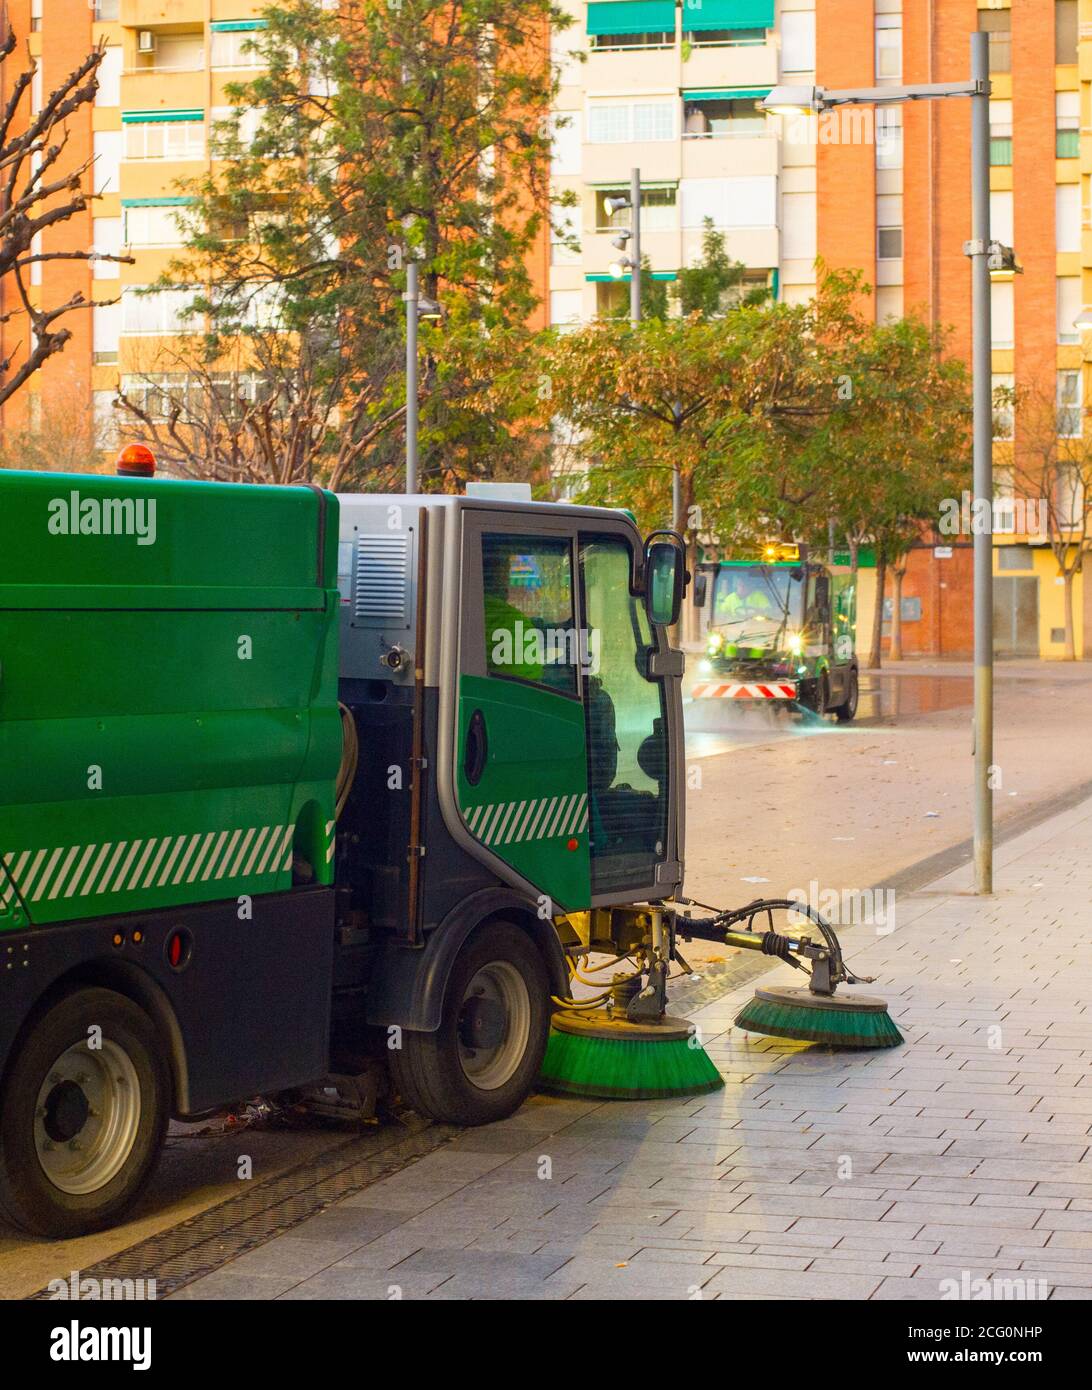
(796, 643)
(714, 642)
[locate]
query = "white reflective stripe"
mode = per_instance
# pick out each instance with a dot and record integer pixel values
(286, 863)
(132, 882)
(201, 856)
(222, 870)
(163, 848)
(9, 885)
(181, 873)
(270, 847)
(214, 857)
(574, 819)
(526, 821)
(74, 880)
(504, 822)
(43, 882)
(548, 834)
(257, 850)
(473, 820)
(330, 850)
(584, 820)
(89, 881)
(15, 873)
(237, 865)
(62, 872)
(488, 836)
(124, 868)
(33, 871)
(542, 818)
(170, 862)
(515, 821)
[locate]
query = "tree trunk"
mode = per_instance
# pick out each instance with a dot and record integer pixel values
(875, 659)
(895, 650)
(1070, 636)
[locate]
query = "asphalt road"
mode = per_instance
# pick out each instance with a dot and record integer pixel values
(775, 802)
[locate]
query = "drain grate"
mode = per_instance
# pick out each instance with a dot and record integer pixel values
(204, 1242)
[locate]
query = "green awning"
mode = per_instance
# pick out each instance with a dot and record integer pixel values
(699, 15)
(234, 26)
(624, 279)
(144, 117)
(727, 94)
(157, 202)
(632, 17)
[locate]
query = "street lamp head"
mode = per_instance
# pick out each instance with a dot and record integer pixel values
(618, 268)
(429, 309)
(620, 240)
(792, 100)
(615, 204)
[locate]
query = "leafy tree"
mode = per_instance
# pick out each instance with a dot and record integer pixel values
(385, 131)
(714, 284)
(41, 187)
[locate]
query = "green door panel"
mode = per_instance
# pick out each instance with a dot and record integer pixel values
(530, 805)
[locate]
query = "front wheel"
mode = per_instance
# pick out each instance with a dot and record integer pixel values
(848, 708)
(83, 1115)
(482, 1061)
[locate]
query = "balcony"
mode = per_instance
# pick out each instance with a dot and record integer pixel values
(731, 156)
(745, 66)
(659, 161)
(662, 248)
(632, 70)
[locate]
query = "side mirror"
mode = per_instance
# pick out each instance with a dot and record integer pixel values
(665, 577)
(701, 589)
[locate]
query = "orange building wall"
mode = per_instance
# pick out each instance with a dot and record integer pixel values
(846, 173)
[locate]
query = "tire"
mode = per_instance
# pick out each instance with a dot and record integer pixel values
(846, 711)
(445, 1078)
(56, 1090)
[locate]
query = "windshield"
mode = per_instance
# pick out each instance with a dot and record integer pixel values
(755, 600)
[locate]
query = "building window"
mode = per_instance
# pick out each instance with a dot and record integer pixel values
(565, 156)
(1067, 217)
(612, 43)
(107, 9)
(724, 38)
(1069, 405)
(612, 299)
(565, 307)
(106, 170)
(889, 243)
(1002, 385)
(1002, 322)
(888, 137)
(1069, 306)
(154, 225)
(998, 24)
(105, 332)
(104, 420)
(889, 48)
(619, 124)
(1065, 31)
(1067, 121)
(1069, 504)
(238, 48)
(1000, 132)
(106, 237)
(717, 116)
(1001, 216)
(159, 139)
(35, 16)
(157, 311)
(733, 202)
(658, 209)
(798, 41)
(564, 237)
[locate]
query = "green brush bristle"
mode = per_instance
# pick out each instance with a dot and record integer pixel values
(620, 1069)
(840, 1027)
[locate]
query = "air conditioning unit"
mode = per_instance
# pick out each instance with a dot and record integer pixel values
(145, 41)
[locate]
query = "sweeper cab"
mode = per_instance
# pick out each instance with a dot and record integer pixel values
(780, 632)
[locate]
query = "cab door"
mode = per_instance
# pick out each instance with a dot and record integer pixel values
(521, 771)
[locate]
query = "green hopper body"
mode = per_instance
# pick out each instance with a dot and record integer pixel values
(169, 728)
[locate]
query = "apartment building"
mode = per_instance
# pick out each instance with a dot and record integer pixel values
(671, 88)
(161, 90)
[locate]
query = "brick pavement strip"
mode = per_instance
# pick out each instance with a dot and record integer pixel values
(812, 1175)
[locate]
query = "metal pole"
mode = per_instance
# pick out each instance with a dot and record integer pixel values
(983, 466)
(410, 297)
(635, 243)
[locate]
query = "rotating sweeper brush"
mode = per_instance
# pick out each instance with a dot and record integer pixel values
(622, 1043)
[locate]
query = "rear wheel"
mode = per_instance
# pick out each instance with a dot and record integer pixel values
(483, 1060)
(82, 1116)
(848, 708)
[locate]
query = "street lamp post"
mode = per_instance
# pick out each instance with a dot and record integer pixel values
(635, 273)
(791, 99)
(417, 308)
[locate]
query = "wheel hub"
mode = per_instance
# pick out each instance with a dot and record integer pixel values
(494, 1025)
(87, 1116)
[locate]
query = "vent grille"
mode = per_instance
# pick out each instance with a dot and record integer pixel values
(382, 570)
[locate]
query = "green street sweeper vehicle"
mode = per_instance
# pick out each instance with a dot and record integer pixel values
(320, 799)
(781, 631)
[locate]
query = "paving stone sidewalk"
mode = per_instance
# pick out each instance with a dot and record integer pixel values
(964, 1155)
